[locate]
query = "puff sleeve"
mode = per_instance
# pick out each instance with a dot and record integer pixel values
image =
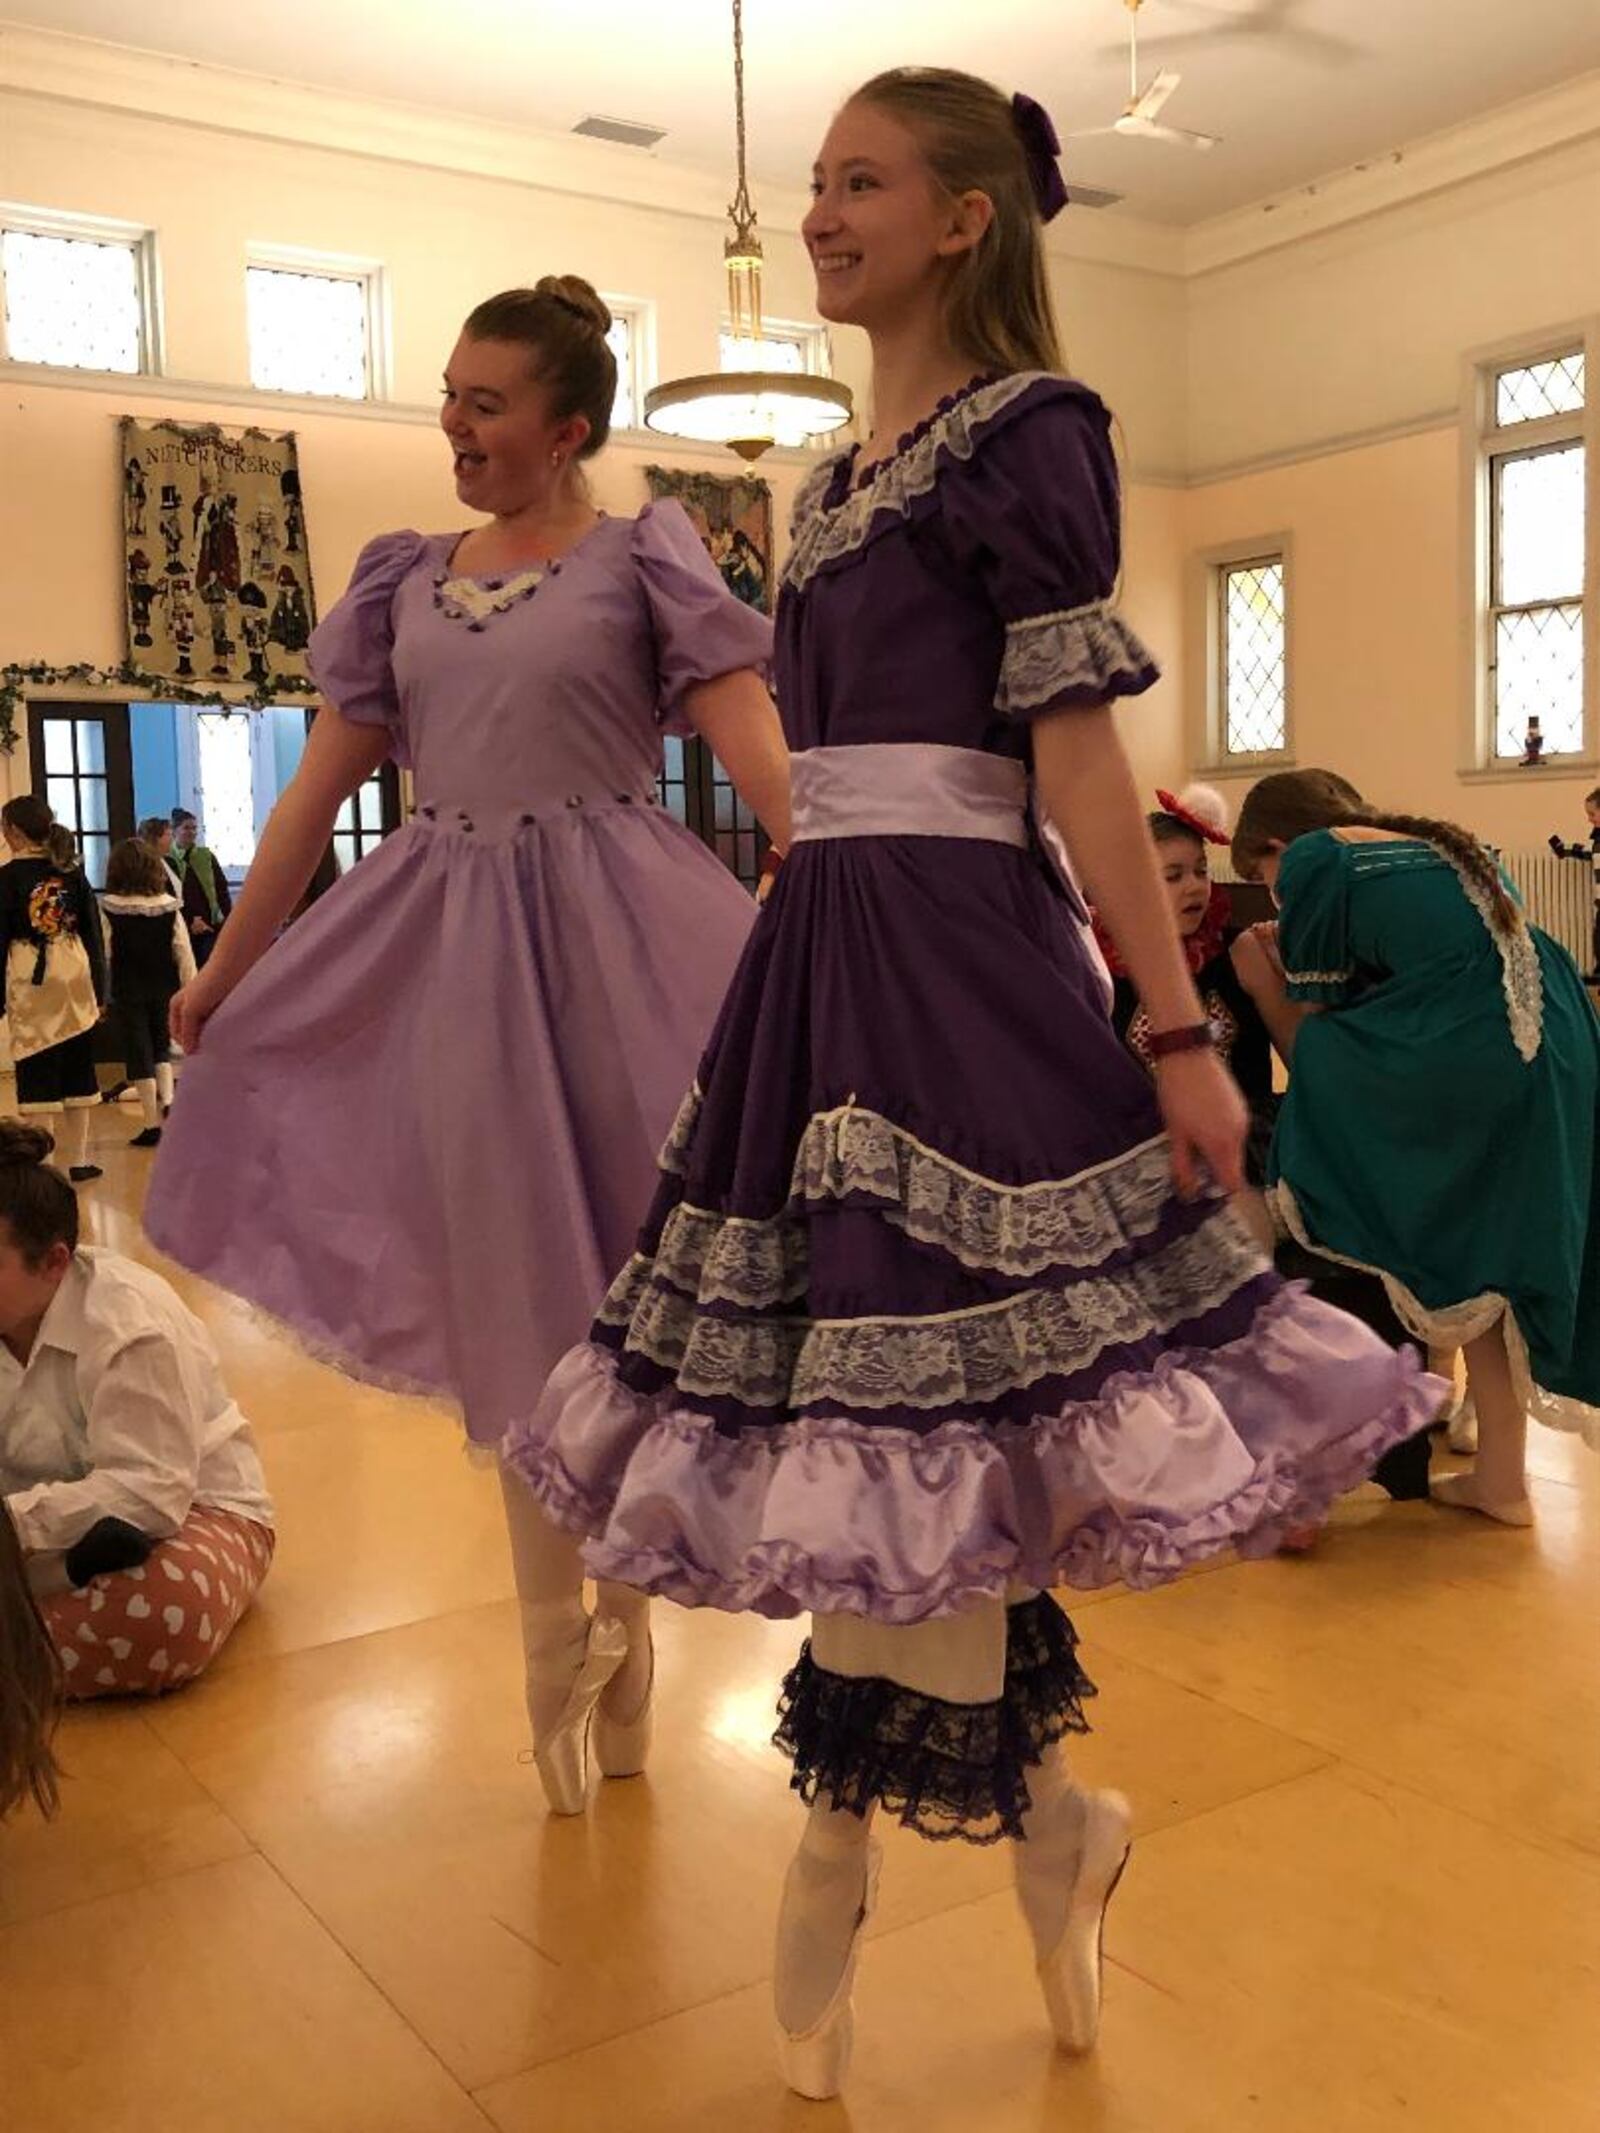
(351, 655)
(1035, 513)
(1313, 920)
(701, 630)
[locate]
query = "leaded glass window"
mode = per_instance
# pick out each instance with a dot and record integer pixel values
(1538, 557)
(77, 302)
(1253, 642)
(309, 332)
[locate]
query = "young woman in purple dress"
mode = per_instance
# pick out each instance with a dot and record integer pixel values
(420, 1130)
(940, 1302)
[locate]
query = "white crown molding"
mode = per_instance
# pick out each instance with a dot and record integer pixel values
(78, 70)
(1209, 475)
(180, 398)
(1517, 133)
(81, 70)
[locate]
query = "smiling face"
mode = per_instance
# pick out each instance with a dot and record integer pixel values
(511, 449)
(1186, 876)
(882, 231)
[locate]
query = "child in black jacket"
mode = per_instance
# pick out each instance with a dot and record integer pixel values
(150, 957)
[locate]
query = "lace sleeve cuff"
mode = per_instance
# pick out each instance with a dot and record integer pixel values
(1327, 986)
(1079, 656)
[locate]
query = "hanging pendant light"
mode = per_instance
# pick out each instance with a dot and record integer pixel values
(747, 409)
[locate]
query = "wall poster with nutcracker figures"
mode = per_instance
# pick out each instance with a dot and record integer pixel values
(734, 519)
(215, 562)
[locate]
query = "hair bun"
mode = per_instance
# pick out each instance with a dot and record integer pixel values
(579, 297)
(20, 1143)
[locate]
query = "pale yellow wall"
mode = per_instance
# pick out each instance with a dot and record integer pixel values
(1364, 328)
(1356, 331)
(1362, 333)
(1380, 620)
(444, 240)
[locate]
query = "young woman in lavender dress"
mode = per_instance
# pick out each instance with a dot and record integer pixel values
(940, 1302)
(420, 1130)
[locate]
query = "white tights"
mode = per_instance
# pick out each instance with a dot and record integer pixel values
(547, 1564)
(1049, 1857)
(824, 1887)
(823, 1893)
(71, 1132)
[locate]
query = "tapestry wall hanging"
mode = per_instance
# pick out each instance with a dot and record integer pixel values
(215, 563)
(734, 519)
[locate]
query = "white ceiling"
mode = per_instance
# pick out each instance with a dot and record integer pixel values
(1299, 89)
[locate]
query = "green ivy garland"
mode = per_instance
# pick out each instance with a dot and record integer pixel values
(16, 681)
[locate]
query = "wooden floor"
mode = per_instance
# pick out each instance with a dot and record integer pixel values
(317, 1892)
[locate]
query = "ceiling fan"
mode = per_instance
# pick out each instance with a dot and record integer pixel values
(1141, 115)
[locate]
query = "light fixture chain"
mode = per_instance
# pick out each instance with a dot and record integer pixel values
(742, 212)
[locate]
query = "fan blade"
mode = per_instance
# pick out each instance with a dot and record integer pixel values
(1139, 129)
(1150, 103)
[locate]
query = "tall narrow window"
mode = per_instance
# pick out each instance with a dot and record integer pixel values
(78, 788)
(311, 330)
(1252, 636)
(227, 782)
(1536, 489)
(627, 340)
(76, 295)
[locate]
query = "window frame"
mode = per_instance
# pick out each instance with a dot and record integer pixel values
(639, 314)
(111, 715)
(1485, 444)
(1207, 637)
(328, 266)
(810, 337)
(98, 230)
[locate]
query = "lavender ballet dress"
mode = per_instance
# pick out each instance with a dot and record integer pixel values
(916, 1326)
(422, 1129)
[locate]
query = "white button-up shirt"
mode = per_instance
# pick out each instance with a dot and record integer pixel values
(120, 1412)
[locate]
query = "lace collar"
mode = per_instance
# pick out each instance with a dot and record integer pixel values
(834, 515)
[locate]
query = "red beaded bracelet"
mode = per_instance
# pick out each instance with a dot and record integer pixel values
(1197, 1037)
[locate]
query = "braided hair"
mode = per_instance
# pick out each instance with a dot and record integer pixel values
(1293, 803)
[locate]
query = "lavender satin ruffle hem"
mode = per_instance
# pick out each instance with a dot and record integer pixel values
(1214, 1448)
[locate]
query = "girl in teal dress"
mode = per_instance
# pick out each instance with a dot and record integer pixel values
(1440, 1125)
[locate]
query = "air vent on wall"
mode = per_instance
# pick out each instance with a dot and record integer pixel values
(628, 131)
(1091, 196)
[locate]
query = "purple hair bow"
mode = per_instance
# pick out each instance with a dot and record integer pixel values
(1041, 145)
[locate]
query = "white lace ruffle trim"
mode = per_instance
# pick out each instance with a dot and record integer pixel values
(821, 537)
(947, 1360)
(1454, 1325)
(851, 1154)
(1080, 651)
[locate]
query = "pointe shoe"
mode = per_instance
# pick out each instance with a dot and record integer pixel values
(1070, 1974)
(1460, 1492)
(561, 1754)
(621, 1749)
(815, 2062)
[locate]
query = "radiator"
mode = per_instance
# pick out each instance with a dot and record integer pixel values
(1559, 896)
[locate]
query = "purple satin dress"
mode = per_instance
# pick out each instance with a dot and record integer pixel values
(916, 1320)
(423, 1128)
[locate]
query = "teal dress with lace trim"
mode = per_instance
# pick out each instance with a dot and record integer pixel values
(1440, 1126)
